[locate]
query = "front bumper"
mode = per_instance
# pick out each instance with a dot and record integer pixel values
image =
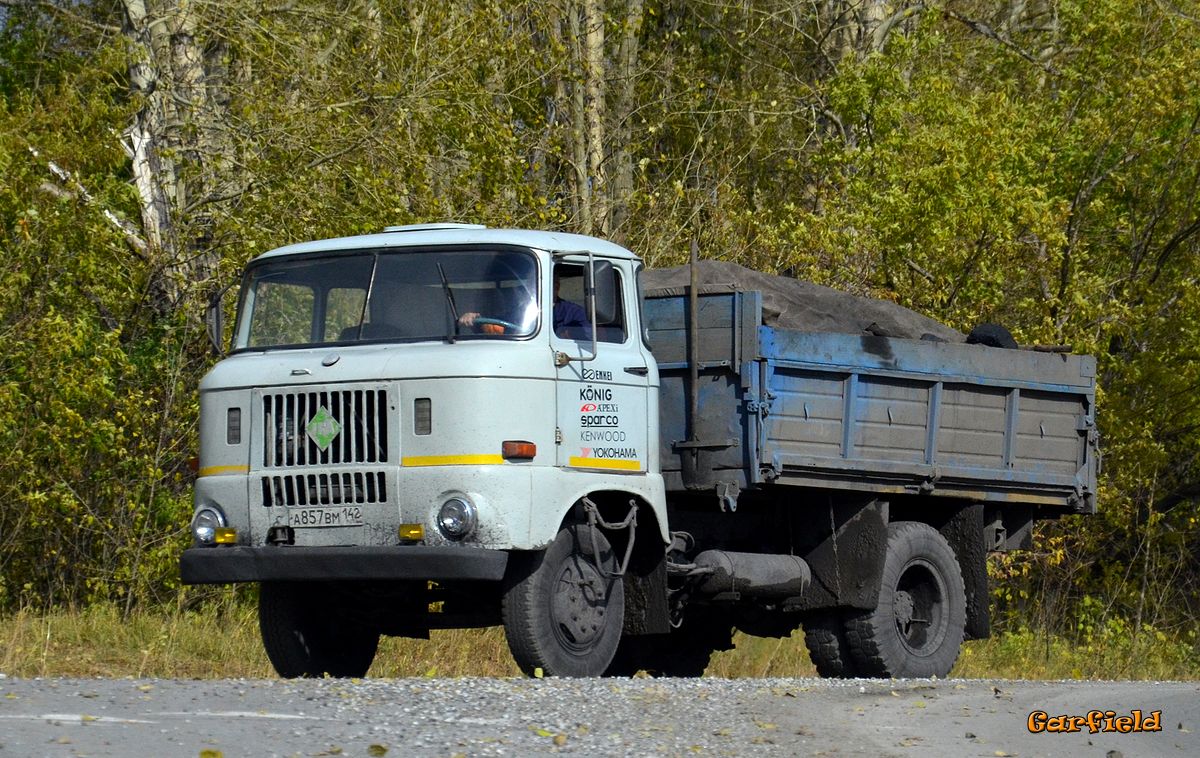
(226, 565)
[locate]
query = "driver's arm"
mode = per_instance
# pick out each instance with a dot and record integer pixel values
(468, 319)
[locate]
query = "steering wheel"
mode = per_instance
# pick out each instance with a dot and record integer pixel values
(508, 325)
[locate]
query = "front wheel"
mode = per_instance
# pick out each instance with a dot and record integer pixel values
(563, 608)
(916, 630)
(306, 635)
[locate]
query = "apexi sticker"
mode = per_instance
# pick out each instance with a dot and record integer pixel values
(610, 452)
(599, 408)
(595, 375)
(595, 395)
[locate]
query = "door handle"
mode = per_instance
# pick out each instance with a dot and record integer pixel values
(639, 370)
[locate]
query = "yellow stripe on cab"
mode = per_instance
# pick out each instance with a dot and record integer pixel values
(452, 460)
(219, 470)
(616, 464)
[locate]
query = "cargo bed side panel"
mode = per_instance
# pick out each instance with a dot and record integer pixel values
(871, 414)
(720, 445)
(911, 417)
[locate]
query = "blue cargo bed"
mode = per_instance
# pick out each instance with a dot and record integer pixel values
(867, 413)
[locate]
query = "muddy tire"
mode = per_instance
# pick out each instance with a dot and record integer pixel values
(916, 630)
(562, 609)
(828, 647)
(305, 635)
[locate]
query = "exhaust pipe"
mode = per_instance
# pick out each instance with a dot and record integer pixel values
(753, 574)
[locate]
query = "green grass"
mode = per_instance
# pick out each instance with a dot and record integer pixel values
(221, 640)
(1150, 655)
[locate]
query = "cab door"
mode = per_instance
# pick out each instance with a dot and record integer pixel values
(602, 402)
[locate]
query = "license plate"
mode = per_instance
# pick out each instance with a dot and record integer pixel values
(348, 515)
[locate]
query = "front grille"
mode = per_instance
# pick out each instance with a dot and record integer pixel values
(334, 488)
(361, 422)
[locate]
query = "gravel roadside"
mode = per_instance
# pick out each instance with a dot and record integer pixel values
(635, 717)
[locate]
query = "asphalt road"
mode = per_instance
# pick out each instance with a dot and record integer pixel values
(447, 717)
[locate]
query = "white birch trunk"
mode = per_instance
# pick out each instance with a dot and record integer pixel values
(145, 134)
(174, 142)
(593, 18)
(579, 142)
(627, 58)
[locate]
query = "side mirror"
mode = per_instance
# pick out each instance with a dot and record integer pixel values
(214, 319)
(600, 283)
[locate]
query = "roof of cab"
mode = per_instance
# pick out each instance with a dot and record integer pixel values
(426, 235)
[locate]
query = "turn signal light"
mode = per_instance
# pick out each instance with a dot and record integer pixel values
(518, 449)
(415, 532)
(225, 535)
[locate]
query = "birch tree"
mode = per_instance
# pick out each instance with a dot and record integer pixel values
(174, 141)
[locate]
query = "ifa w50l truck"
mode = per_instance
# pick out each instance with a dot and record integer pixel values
(448, 426)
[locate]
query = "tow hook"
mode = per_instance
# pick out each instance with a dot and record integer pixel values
(630, 523)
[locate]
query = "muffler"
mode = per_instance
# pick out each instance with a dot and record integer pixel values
(753, 574)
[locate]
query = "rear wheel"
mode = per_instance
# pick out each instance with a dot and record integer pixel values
(916, 630)
(563, 609)
(828, 647)
(306, 634)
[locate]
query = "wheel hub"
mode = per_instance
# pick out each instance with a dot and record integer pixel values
(918, 608)
(903, 607)
(579, 604)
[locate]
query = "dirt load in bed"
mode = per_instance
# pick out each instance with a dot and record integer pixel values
(793, 304)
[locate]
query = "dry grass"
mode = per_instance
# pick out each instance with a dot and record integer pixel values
(221, 640)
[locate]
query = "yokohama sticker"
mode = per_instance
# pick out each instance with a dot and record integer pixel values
(624, 453)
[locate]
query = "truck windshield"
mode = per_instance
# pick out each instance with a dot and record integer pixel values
(388, 295)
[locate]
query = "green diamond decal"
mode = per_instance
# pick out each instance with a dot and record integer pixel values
(322, 428)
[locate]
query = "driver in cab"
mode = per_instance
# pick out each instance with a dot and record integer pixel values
(570, 319)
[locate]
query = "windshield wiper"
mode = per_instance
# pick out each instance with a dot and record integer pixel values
(449, 301)
(362, 315)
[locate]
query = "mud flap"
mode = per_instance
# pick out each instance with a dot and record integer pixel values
(965, 533)
(847, 564)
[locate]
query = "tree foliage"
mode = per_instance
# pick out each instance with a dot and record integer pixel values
(1030, 162)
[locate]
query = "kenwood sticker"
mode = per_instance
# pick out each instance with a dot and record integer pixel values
(601, 435)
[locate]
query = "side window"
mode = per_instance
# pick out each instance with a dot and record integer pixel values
(571, 319)
(641, 303)
(614, 331)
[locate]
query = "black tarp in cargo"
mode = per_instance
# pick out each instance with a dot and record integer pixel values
(803, 306)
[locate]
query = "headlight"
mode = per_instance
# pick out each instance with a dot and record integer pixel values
(205, 524)
(457, 518)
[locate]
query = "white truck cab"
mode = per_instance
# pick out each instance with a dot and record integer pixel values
(403, 408)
